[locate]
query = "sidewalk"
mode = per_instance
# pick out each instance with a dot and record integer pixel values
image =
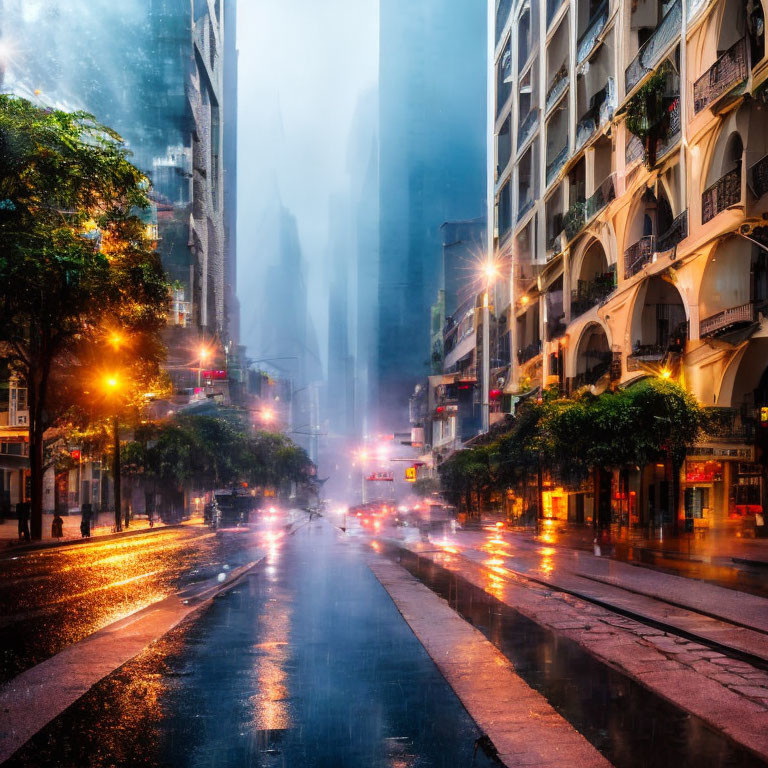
(103, 525)
(717, 548)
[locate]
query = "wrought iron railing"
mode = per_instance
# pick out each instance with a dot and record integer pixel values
(554, 167)
(574, 219)
(758, 176)
(676, 233)
(527, 127)
(603, 195)
(593, 374)
(652, 50)
(727, 320)
(673, 129)
(726, 424)
(726, 191)
(556, 88)
(529, 352)
(590, 294)
(595, 26)
(638, 255)
(634, 150)
(731, 68)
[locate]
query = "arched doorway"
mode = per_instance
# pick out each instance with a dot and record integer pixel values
(652, 218)
(659, 324)
(594, 281)
(593, 358)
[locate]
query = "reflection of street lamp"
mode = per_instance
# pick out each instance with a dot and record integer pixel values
(111, 384)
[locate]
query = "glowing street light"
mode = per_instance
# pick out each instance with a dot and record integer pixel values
(665, 373)
(203, 356)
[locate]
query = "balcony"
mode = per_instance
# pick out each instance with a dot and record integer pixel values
(728, 424)
(638, 255)
(554, 167)
(592, 294)
(655, 47)
(727, 320)
(603, 195)
(673, 129)
(599, 364)
(557, 88)
(725, 192)
(529, 352)
(574, 219)
(729, 70)
(758, 175)
(676, 233)
(634, 150)
(527, 127)
(589, 39)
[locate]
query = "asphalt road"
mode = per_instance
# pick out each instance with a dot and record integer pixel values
(306, 662)
(51, 598)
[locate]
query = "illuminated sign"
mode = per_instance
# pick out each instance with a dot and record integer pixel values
(410, 474)
(385, 477)
(764, 416)
(703, 471)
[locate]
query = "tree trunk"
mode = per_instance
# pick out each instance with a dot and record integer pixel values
(36, 479)
(116, 473)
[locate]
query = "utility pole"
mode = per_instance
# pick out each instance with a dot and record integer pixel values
(116, 471)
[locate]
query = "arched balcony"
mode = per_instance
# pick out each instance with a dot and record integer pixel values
(653, 228)
(659, 324)
(733, 289)
(724, 177)
(594, 281)
(593, 358)
(740, 45)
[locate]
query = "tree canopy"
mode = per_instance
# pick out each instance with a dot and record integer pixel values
(75, 257)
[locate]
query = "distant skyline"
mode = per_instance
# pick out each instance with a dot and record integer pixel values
(303, 68)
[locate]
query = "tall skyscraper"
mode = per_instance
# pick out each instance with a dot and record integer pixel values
(432, 160)
(154, 71)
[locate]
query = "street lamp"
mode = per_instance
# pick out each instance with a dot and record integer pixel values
(204, 353)
(111, 385)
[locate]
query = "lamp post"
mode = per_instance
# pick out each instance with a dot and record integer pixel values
(111, 385)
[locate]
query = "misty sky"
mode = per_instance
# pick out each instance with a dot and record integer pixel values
(303, 64)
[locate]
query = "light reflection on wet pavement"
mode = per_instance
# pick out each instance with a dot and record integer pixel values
(52, 598)
(307, 662)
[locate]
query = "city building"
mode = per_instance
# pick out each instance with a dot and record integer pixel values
(432, 149)
(163, 74)
(630, 170)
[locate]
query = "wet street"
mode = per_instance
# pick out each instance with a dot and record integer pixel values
(306, 662)
(51, 598)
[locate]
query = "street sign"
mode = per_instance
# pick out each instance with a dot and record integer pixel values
(386, 477)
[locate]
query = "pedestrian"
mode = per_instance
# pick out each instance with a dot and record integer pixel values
(22, 510)
(85, 521)
(57, 526)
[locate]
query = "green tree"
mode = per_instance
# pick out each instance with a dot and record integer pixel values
(74, 258)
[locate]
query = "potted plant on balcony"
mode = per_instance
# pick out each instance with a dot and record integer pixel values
(647, 113)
